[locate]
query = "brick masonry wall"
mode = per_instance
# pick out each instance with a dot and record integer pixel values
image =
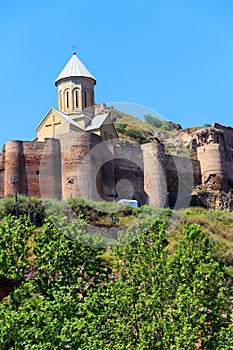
(33, 152)
(212, 159)
(81, 164)
(50, 170)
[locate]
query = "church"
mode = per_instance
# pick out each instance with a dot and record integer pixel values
(76, 101)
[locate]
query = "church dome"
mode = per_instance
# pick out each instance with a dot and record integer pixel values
(74, 68)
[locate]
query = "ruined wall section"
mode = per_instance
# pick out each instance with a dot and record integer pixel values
(212, 159)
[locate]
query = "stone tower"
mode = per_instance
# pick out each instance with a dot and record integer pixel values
(75, 88)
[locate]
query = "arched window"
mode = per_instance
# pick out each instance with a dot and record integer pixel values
(67, 98)
(85, 98)
(76, 98)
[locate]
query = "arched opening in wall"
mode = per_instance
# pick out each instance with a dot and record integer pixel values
(105, 135)
(124, 176)
(67, 98)
(76, 98)
(85, 98)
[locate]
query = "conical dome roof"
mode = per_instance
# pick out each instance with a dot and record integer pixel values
(74, 68)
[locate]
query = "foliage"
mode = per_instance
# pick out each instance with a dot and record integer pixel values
(32, 207)
(153, 121)
(200, 305)
(14, 247)
(146, 299)
(138, 135)
(158, 123)
(120, 127)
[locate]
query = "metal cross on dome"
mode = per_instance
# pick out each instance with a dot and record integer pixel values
(74, 47)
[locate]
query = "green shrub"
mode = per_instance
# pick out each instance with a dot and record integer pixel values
(120, 127)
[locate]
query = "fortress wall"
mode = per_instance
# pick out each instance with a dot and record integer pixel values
(81, 161)
(155, 174)
(213, 163)
(33, 152)
(2, 172)
(129, 167)
(15, 166)
(50, 169)
(182, 174)
(196, 172)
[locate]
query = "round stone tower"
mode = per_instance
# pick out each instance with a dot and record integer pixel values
(15, 176)
(212, 158)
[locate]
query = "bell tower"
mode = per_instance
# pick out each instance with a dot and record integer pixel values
(75, 87)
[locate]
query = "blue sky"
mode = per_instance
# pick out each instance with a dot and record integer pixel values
(172, 56)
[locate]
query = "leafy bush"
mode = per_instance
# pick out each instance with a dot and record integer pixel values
(153, 121)
(137, 135)
(120, 127)
(32, 207)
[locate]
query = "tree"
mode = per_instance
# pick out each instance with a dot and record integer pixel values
(14, 247)
(149, 300)
(64, 272)
(153, 121)
(200, 304)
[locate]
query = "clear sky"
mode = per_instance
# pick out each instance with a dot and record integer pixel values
(172, 56)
